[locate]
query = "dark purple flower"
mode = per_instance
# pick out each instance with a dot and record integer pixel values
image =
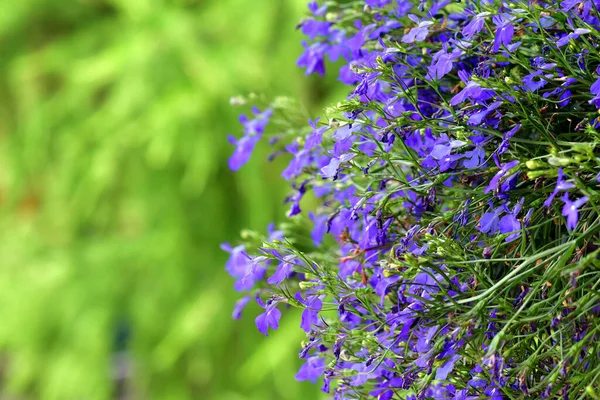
(506, 139)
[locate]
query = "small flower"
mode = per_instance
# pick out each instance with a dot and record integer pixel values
(418, 33)
(239, 307)
(310, 314)
(268, 319)
(571, 210)
(574, 35)
(253, 130)
(311, 370)
(561, 185)
(283, 271)
(500, 174)
(475, 25)
(504, 31)
(331, 170)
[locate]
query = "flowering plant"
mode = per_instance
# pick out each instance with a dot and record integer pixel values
(453, 201)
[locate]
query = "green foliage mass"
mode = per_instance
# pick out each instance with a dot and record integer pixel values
(115, 194)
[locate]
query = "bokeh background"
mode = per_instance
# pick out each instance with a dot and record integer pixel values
(115, 196)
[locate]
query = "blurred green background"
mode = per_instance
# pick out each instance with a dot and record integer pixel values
(115, 195)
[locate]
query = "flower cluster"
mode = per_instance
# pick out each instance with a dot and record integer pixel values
(454, 248)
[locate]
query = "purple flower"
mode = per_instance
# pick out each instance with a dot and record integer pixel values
(490, 221)
(239, 307)
(313, 58)
(561, 184)
(313, 28)
(283, 271)
(331, 170)
(472, 91)
(510, 224)
(310, 315)
(314, 139)
(314, 8)
(441, 64)
(478, 117)
(500, 174)
(269, 318)
(574, 35)
(595, 90)
(311, 370)
(475, 25)
(253, 130)
(377, 3)
(443, 371)
(504, 30)
(241, 266)
(571, 210)
(506, 139)
(418, 33)
(319, 229)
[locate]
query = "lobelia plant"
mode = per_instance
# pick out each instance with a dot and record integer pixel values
(453, 201)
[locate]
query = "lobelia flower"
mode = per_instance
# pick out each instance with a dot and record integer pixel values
(310, 314)
(506, 139)
(504, 30)
(493, 185)
(313, 58)
(472, 91)
(475, 25)
(510, 224)
(571, 210)
(331, 170)
(317, 11)
(253, 130)
(313, 28)
(311, 370)
(418, 33)
(595, 90)
(490, 221)
(403, 215)
(478, 117)
(270, 317)
(239, 307)
(441, 64)
(283, 271)
(574, 35)
(561, 185)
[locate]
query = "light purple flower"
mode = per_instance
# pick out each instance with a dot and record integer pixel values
(571, 210)
(269, 318)
(418, 33)
(561, 185)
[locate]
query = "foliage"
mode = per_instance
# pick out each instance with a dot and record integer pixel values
(454, 217)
